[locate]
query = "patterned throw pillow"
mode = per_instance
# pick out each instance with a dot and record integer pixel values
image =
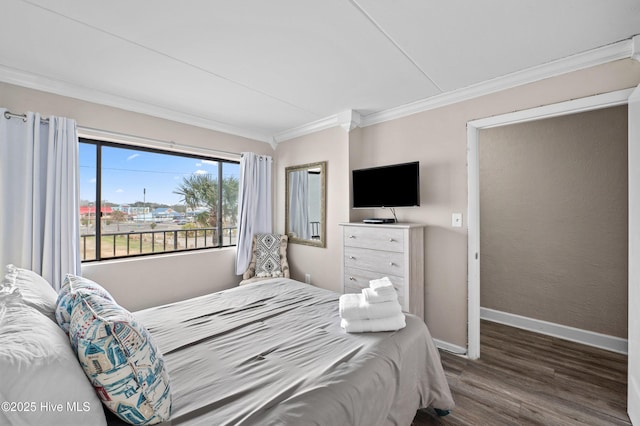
(66, 297)
(270, 252)
(122, 362)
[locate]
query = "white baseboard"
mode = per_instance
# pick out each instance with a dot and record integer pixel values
(450, 347)
(603, 341)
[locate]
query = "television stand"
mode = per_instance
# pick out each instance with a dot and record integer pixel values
(378, 220)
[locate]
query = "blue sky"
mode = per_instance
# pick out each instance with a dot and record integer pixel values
(127, 173)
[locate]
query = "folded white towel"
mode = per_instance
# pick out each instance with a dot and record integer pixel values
(353, 306)
(380, 283)
(348, 302)
(383, 294)
(393, 323)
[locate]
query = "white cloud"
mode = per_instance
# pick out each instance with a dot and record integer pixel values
(201, 172)
(93, 180)
(131, 157)
(211, 162)
(198, 164)
(119, 190)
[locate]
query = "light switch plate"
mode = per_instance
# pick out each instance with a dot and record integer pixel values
(456, 220)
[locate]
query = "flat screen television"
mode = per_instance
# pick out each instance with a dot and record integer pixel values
(396, 185)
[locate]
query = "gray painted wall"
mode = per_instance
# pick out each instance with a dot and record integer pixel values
(553, 212)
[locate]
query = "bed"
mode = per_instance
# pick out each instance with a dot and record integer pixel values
(273, 352)
(268, 353)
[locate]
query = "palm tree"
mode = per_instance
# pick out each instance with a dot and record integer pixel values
(230, 186)
(201, 190)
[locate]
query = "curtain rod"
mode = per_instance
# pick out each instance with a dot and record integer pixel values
(135, 140)
(150, 142)
(9, 115)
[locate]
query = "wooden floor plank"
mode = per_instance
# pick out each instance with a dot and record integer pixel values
(525, 378)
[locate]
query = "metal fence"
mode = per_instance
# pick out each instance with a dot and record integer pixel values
(134, 243)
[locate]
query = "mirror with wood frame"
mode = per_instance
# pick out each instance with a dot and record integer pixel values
(305, 203)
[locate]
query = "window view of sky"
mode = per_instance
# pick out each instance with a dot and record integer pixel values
(126, 173)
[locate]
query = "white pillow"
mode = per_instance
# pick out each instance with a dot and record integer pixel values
(41, 378)
(35, 290)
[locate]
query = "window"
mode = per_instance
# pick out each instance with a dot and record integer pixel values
(153, 201)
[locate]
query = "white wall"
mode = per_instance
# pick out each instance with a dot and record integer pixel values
(138, 283)
(332, 146)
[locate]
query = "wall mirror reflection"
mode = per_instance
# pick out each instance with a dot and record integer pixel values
(305, 197)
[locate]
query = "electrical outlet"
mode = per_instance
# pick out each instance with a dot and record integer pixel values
(456, 220)
(307, 278)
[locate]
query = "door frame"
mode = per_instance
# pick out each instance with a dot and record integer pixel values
(633, 363)
(574, 106)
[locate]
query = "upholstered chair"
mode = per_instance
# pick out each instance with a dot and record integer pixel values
(268, 258)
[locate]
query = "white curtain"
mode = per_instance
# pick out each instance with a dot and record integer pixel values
(39, 195)
(299, 204)
(254, 204)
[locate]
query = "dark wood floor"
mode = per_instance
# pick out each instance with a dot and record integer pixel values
(525, 378)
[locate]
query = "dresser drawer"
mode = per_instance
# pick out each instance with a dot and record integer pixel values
(359, 279)
(387, 239)
(381, 262)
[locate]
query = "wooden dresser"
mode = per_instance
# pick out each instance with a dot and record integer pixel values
(372, 251)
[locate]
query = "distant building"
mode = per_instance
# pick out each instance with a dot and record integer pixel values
(90, 211)
(165, 214)
(132, 210)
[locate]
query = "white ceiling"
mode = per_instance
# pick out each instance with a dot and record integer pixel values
(262, 68)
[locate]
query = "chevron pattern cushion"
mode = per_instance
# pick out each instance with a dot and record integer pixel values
(269, 257)
(267, 252)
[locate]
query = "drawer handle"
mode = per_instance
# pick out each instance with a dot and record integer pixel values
(351, 279)
(351, 257)
(352, 236)
(392, 264)
(391, 240)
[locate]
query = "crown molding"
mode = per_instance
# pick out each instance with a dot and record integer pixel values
(602, 55)
(348, 120)
(46, 84)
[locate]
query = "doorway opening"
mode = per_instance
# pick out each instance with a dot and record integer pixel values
(473, 129)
